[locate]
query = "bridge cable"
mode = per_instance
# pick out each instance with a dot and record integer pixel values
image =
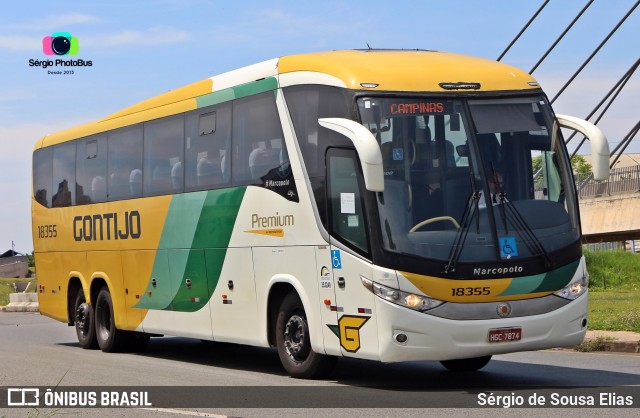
(626, 141)
(522, 30)
(593, 54)
(584, 9)
(617, 88)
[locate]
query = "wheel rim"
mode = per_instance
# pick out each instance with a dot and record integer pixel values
(82, 318)
(104, 320)
(296, 341)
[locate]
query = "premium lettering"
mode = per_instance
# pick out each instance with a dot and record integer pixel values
(258, 221)
(107, 226)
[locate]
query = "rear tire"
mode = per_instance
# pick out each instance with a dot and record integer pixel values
(294, 342)
(83, 319)
(466, 364)
(110, 339)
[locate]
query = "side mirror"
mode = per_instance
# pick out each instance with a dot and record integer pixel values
(366, 146)
(463, 150)
(599, 145)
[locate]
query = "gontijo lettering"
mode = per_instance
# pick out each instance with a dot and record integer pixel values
(105, 226)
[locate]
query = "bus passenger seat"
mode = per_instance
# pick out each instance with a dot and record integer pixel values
(262, 160)
(98, 189)
(161, 179)
(177, 176)
(208, 172)
(135, 182)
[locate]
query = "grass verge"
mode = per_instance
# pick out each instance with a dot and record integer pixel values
(6, 287)
(614, 310)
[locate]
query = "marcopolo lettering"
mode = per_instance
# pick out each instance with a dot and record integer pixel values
(497, 270)
(107, 226)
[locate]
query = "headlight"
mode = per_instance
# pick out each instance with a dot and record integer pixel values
(574, 289)
(408, 300)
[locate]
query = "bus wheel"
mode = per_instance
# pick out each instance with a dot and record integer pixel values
(294, 342)
(466, 364)
(83, 321)
(110, 339)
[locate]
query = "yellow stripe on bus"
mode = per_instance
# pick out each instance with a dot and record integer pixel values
(466, 291)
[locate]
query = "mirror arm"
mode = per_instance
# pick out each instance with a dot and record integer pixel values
(366, 146)
(599, 145)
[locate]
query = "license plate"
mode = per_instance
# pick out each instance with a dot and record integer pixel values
(502, 335)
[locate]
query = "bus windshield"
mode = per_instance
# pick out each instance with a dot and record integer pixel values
(470, 180)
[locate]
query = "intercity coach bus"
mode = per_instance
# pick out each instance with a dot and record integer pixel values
(378, 204)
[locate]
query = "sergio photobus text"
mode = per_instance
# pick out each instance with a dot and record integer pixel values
(59, 63)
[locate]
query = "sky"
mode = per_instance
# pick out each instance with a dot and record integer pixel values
(139, 49)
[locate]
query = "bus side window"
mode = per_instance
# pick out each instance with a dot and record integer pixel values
(257, 138)
(347, 218)
(208, 143)
(163, 155)
(91, 170)
(125, 157)
(64, 174)
(42, 172)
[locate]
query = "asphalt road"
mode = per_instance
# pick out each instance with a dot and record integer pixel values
(221, 379)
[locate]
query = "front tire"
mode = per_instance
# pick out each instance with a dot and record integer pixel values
(294, 342)
(83, 319)
(110, 339)
(466, 364)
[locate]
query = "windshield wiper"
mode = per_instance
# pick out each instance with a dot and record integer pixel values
(465, 224)
(529, 238)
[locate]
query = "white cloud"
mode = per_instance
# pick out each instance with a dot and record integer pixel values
(160, 35)
(21, 43)
(56, 22)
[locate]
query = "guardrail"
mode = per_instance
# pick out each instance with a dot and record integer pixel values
(622, 180)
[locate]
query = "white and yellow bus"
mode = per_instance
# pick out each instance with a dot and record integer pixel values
(373, 204)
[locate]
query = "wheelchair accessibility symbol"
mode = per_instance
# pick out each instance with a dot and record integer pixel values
(508, 247)
(336, 261)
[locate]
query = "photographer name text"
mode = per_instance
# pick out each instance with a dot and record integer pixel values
(554, 399)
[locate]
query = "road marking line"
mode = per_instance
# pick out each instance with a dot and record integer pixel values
(183, 412)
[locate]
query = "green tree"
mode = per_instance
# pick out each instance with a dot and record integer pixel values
(579, 164)
(30, 259)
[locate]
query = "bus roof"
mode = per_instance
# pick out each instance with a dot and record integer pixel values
(387, 70)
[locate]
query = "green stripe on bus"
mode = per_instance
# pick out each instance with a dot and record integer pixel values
(259, 86)
(192, 249)
(544, 282)
(523, 285)
(558, 278)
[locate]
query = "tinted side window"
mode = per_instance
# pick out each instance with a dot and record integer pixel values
(208, 157)
(64, 175)
(307, 104)
(258, 139)
(42, 171)
(163, 156)
(346, 199)
(124, 177)
(91, 170)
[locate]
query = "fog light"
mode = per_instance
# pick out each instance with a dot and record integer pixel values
(401, 338)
